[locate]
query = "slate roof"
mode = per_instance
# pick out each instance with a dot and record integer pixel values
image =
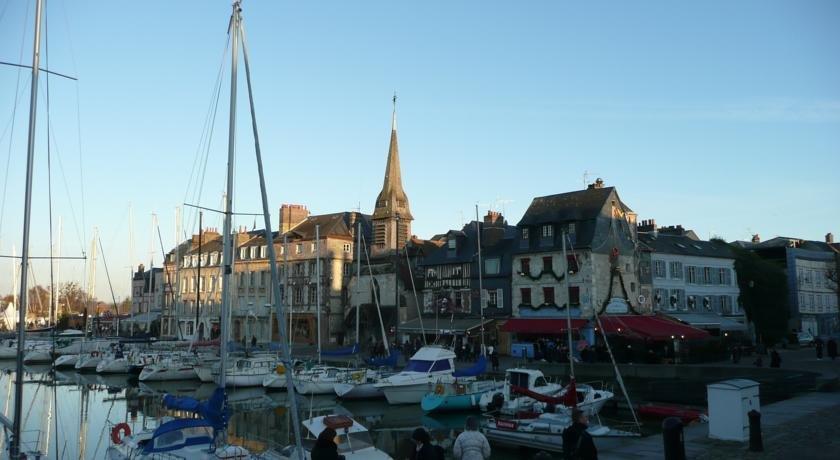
(335, 225)
(467, 247)
(787, 242)
(569, 207)
(685, 245)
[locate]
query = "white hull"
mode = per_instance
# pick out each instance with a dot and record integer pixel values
(206, 374)
(240, 380)
(88, 363)
(274, 380)
(157, 374)
(38, 356)
(308, 387)
(358, 391)
(66, 361)
(8, 352)
(406, 394)
(113, 366)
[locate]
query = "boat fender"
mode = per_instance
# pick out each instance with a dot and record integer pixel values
(439, 389)
(123, 428)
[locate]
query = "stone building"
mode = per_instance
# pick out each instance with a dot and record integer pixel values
(147, 297)
(692, 280)
(602, 256)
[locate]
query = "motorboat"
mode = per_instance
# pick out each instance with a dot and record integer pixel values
(544, 432)
(353, 439)
(509, 401)
(429, 366)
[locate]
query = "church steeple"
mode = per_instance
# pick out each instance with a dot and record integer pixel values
(391, 216)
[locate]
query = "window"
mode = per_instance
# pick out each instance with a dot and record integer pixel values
(347, 268)
(525, 265)
(571, 229)
(297, 295)
(676, 269)
(299, 248)
(491, 266)
(707, 275)
(183, 287)
(540, 382)
(253, 254)
(572, 263)
(263, 251)
(574, 295)
(526, 295)
(313, 247)
(313, 266)
(492, 299)
(459, 299)
(431, 273)
(243, 253)
(313, 294)
(525, 233)
(348, 247)
(452, 243)
(547, 231)
(192, 284)
(264, 278)
(213, 284)
(204, 260)
(548, 295)
(725, 304)
(691, 275)
(201, 284)
(194, 261)
(214, 258)
(548, 264)
(659, 268)
(676, 299)
(300, 268)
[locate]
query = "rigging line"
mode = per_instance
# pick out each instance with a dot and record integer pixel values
(108, 276)
(14, 115)
(47, 71)
(79, 235)
(6, 256)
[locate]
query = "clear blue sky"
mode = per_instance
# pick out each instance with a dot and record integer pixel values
(721, 116)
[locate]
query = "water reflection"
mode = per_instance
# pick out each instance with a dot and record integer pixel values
(69, 415)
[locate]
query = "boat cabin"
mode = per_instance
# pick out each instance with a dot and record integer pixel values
(178, 434)
(531, 379)
(431, 359)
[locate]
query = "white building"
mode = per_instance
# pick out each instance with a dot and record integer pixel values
(692, 280)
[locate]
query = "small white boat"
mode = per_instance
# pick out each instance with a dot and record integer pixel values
(353, 439)
(175, 367)
(39, 353)
(8, 349)
(319, 380)
(362, 385)
(88, 361)
(249, 372)
(509, 401)
(429, 366)
(116, 363)
(173, 439)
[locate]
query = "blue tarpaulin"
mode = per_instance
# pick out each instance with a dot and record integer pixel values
(213, 410)
(346, 351)
(390, 361)
(477, 369)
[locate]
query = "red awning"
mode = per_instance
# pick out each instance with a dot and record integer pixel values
(541, 325)
(638, 326)
(651, 327)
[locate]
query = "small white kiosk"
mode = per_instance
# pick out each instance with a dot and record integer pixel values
(729, 403)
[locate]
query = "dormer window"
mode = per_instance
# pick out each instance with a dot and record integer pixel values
(214, 258)
(525, 233)
(452, 243)
(243, 253)
(253, 252)
(547, 231)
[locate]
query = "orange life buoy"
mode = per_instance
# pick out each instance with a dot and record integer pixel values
(439, 389)
(123, 428)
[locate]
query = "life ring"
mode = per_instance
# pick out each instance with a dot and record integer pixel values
(439, 389)
(123, 428)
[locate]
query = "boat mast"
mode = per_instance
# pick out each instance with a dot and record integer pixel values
(568, 307)
(14, 447)
(480, 282)
(358, 279)
(272, 256)
(198, 288)
(227, 250)
(318, 285)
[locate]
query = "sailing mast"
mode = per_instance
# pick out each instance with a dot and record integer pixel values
(198, 288)
(358, 280)
(318, 285)
(14, 447)
(568, 309)
(480, 282)
(278, 301)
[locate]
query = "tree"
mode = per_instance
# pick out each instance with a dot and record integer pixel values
(73, 298)
(38, 299)
(764, 295)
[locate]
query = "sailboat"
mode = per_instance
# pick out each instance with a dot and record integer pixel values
(204, 438)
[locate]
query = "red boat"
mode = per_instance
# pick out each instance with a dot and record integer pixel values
(655, 410)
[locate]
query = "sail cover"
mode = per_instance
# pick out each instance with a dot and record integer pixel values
(477, 369)
(390, 361)
(213, 410)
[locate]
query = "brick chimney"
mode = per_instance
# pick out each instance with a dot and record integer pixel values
(756, 239)
(829, 238)
(494, 219)
(291, 215)
(648, 225)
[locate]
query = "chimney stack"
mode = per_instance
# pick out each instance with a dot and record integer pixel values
(494, 218)
(648, 225)
(756, 239)
(291, 215)
(829, 238)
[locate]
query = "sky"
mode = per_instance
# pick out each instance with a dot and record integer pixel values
(720, 116)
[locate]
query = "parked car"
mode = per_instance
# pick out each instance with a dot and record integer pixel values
(805, 338)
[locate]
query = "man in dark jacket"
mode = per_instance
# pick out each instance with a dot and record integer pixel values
(577, 442)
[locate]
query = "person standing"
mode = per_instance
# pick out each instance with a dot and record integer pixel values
(577, 442)
(494, 359)
(325, 447)
(832, 348)
(775, 359)
(471, 444)
(818, 345)
(424, 449)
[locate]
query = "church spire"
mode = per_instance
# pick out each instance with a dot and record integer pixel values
(392, 217)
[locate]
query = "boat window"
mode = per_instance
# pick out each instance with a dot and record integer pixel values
(519, 379)
(540, 382)
(169, 439)
(422, 365)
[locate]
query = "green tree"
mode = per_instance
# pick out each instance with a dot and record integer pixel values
(764, 295)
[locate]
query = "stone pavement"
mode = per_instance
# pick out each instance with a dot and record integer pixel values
(804, 427)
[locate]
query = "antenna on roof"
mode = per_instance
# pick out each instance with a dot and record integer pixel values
(586, 175)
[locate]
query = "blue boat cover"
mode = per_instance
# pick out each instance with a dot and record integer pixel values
(477, 369)
(346, 351)
(176, 425)
(390, 361)
(213, 410)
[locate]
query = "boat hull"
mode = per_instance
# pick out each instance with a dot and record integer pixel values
(113, 366)
(88, 363)
(275, 381)
(38, 356)
(247, 380)
(309, 387)
(358, 391)
(159, 375)
(406, 394)
(66, 361)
